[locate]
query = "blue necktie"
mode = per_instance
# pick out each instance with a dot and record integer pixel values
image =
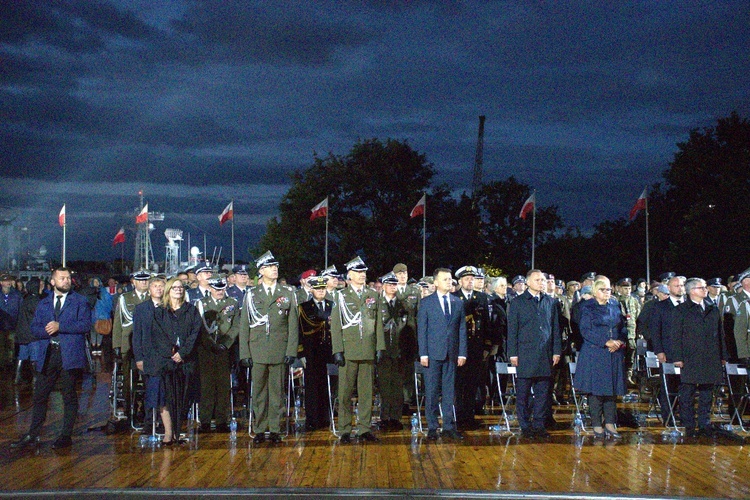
(446, 309)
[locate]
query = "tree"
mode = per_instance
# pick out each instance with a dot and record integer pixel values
(371, 191)
(505, 237)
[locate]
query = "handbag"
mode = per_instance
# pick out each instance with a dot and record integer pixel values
(103, 326)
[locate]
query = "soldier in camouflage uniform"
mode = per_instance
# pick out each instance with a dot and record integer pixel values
(220, 329)
(631, 308)
(394, 367)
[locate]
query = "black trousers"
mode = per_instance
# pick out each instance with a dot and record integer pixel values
(468, 379)
(538, 406)
(45, 383)
(317, 413)
(687, 405)
(607, 404)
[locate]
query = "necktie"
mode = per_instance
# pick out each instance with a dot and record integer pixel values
(446, 308)
(58, 306)
(205, 294)
(321, 308)
(537, 299)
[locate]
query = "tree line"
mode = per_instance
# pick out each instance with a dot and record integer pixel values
(698, 217)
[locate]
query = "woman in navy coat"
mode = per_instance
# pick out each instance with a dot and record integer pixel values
(600, 367)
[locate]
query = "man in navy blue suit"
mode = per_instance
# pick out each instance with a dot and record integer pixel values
(441, 336)
(534, 347)
(61, 322)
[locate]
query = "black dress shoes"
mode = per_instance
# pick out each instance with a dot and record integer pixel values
(453, 434)
(206, 427)
(432, 434)
(345, 438)
(527, 433)
(274, 437)
(369, 436)
(26, 440)
(62, 442)
(542, 433)
(259, 438)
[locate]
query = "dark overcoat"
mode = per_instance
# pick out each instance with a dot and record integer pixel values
(169, 328)
(533, 334)
(698, 341)
(599, 371)
(660, 326)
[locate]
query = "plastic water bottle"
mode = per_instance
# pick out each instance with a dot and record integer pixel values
(495, 429)
(233, 430)
(414, 423)
(143, 440)
(577, 424)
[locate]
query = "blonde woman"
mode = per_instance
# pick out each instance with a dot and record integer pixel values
(174, 330)
(600, 368)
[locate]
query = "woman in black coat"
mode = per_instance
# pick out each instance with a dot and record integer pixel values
(600, 366)
(24, 337)
(174, 332)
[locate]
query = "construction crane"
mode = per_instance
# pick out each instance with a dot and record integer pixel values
(476, 182)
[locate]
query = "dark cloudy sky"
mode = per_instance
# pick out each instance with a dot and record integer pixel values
(200, 102)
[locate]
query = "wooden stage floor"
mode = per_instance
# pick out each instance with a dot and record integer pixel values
(643, 464)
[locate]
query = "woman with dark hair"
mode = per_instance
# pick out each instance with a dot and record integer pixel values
(174, 331)
(600, 368)
(24, 337)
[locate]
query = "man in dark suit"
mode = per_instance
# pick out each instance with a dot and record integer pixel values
(661, 334)
(699, 351)
(441, 327)
(61, 322)
(534, 347)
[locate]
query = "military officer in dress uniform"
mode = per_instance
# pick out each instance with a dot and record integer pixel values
(357, 335)
(332, 282)
(518, 284)
(241, 284)
(315, 352)
(304, 292)
(203, 273)
(630, 308)
(269, 335)
(122, 329)
(396, 365)
(734, 325)
(220, 329)
(480, 344)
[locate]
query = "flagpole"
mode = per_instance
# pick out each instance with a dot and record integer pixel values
(65, 225)
(533, 230)
(424, 238)
(326, 244)
(122, 257)
(232, 233)
(648, 258)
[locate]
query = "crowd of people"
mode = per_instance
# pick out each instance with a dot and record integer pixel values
(184, 336)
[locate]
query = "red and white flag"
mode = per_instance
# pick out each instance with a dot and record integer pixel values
(61, 216)
(319, 210)
(119, 237)
(528, 206)
(640, 204)
(419, 207)
(227, 214)
(143, 216)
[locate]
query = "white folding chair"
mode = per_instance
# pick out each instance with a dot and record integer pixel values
(503, 369)
(332, 371)
(295, 395)
(739, 401)
(670, 370)
(580, 414)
